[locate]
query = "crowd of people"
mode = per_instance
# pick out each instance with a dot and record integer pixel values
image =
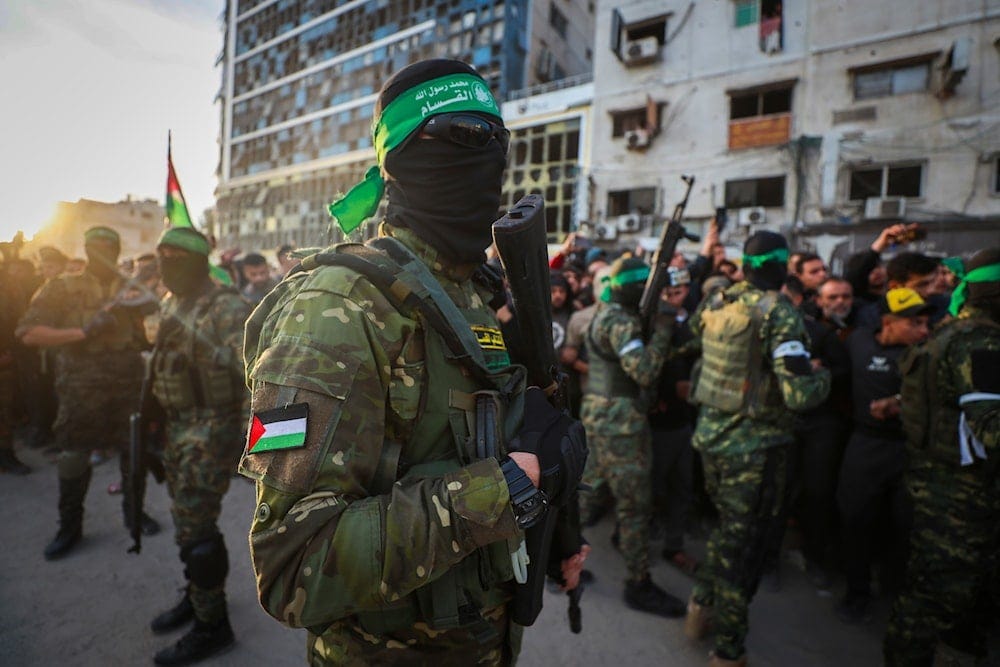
(398, 459)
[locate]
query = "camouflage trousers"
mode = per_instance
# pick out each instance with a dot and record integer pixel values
(954, 560)
(347, 644)
(748, 490)
(202, 449)
(620, 464)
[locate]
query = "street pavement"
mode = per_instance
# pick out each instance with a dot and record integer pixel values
(94, 606)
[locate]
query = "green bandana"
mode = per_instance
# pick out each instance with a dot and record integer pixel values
(984, 274)
(955, 265)
(757, 261)
(185, 238)
(101, 234)
(402, 116)
(624, 278)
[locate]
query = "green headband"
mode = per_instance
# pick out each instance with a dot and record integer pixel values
(101, 234)
(185, 238)
(757, 261)
(984, 274)
(955, 265)
(635, 275)
(399, 119)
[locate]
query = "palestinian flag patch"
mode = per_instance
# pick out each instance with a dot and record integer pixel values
(281, 428)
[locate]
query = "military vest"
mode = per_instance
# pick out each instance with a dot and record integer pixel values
(606, 377)
(85, 296)
(441, 414)
(732, 374)
(930, 424)
(191, 368)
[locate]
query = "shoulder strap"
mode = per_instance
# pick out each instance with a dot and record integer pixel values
(425, 297)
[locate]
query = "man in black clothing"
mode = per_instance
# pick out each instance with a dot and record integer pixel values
(871, 484)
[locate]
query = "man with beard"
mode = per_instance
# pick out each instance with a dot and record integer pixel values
(197, 370)
(951, 416)
(622, 365)
(98, 373)
(755, 370)
(383, 524)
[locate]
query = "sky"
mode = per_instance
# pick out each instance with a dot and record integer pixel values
(89, 91)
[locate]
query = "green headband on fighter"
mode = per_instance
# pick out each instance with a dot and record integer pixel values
(757, 261)
(399, 119)
(624, 278)
(185, 238)
(984, 274)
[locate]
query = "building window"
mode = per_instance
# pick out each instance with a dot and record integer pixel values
(769, 191)
(641, 118)
(760, 103)
(886, 181)
(638, 41)
(760, 116)
(558, 20)
(893, 79)
(745, 12)
(638, 200)
(996, 175)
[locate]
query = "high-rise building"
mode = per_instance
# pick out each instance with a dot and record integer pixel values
(300, 79)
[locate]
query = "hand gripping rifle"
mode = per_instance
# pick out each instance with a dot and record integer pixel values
(520, 242)
(658, 278)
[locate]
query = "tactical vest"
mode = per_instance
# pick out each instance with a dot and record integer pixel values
(85, 296)
(191, 369)
(929, 423)
(732, 374)
(605, 376)
(441, 413)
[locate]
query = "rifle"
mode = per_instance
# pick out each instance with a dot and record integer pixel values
(520, 240)
(658, 278)
(146, 433)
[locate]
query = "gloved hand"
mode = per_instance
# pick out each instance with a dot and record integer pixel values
(102, 321)
(557, 440)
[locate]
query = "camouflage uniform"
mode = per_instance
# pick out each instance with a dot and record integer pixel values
(200, 343)
(744, 459)
(97, 380)
(381, 523)
(955, 540)
(617, 427)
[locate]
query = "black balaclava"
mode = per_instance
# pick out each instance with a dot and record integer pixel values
(102, 261)
(770, 276)
(448, 194)
(185, 274)
(985, 295)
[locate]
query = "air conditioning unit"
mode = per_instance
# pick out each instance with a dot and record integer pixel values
(752, 215)
(641, 51)
(877, 208)
(637, 139)
(628, 223)
(605, 231)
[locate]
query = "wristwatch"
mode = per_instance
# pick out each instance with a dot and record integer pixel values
(528, 503)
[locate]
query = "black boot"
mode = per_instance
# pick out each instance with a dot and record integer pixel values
(202, 641)
(648, 597)
(10, 463)
(179, 615)
(71, 495)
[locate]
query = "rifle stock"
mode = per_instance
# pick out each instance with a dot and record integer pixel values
(521, 245)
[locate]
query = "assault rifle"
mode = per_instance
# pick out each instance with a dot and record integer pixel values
(520, 242)
(146, 434)
(658, 278)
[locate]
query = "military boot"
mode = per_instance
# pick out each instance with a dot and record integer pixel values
(698, 621)
(646, 596)
(716, 661)
(179, 615)
(202, 641)
(71, 494)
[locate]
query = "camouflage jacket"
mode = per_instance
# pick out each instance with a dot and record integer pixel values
(963, 387)
(325, 542)
(203, 334)
(616, 334)
(719, 432)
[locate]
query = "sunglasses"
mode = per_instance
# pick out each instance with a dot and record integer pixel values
(466, 130)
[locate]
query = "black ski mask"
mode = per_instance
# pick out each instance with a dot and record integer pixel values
(102, 260)
(770, 275)
(184, 274)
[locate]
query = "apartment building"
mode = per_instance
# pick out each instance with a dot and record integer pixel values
(138, 222)
(300, 79)
(822, 119)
